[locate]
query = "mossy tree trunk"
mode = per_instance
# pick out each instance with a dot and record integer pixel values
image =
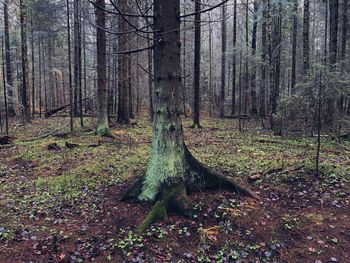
(172, 171)
(102, 114)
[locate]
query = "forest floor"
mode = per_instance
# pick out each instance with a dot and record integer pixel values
(62, 205)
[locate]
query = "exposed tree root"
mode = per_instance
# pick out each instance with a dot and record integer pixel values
(199, 177)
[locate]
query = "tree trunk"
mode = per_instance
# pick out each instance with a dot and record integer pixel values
(223, 62)
(33, 66)
(4, 87)
(11, 103)
(264, 64)
(25, 67)
(254, 106)
(71, 113)
(246, 75)
(123, 105)
(333, 32)
(276, 44)
(306, 29)
(102, 128)
(197, 65)
(344, 30)
(294, 45)
(77, 58)
(150, 73)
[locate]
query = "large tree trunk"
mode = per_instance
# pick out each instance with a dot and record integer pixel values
(9, 88)
(102, 128)
(223, 62)
(197, 65)
(172, 171)
(25, 67)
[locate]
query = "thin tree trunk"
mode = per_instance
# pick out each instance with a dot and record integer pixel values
(306, 33)
(11, 103)
(294, 45)
(33, 66)
(246, 76)
(102, 128)
(40, 78)
(333, 32)
(264, 64)
(223, 62)
(254, 105)
(25, 71)
(123, 105)
(344, 30)
(210, 83)
(4, 86)
(197, 65)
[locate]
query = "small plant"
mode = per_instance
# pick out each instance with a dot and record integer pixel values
(129, 242)
(289, 222)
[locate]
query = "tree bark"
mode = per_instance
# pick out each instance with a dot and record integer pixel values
(102, 128)
(306, 29)
(9, 88)
(254, 106)
(223, 62)
(197, 65)
(344, 30)
(333, 32)
(264, 61)
(25, 67)
(294, 45)
(123, 105)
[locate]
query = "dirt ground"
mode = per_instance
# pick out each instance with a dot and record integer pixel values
(62, 203)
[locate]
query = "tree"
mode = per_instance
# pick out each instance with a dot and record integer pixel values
(172, 170)
(197, 64)
(9, 88)
(306, 29)
(25, 67)
(333, 32)
(71, 113)
(294, 45)
(264, 64)
(223, 61)
(246, 75)
(124, 97)
(77, 62)
(234, 59)
(102, 128)
(254, 107)
(344, 30)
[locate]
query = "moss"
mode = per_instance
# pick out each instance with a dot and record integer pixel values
(158, 212)
(104, 131)
(167, 161)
